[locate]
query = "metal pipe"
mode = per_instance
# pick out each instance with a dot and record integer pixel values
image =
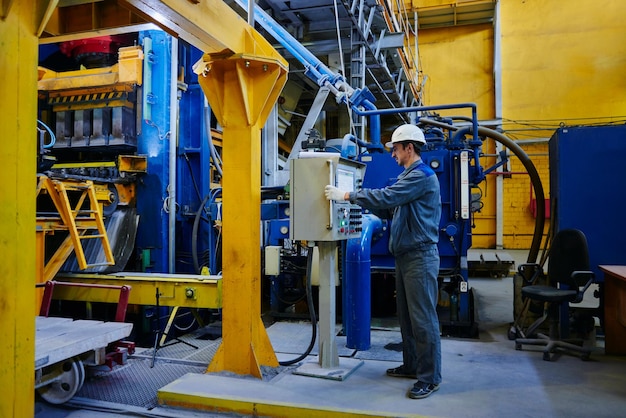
(207, 126)
(357, 285)
(472, 106)
(374, 125)
(174, 111)
(314, 67)
(497, 76)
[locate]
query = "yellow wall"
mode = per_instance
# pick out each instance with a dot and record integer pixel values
(519, 222)
(561, 62)
(458, 64)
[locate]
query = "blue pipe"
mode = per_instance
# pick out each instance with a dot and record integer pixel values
(357, 311)
(314, 68)
(374, 125)
(425, 108)
(53, 138)
(320, 73)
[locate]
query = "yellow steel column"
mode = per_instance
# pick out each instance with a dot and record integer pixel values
(20, 22)
(242, 88)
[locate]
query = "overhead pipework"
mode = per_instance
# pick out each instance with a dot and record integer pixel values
(323, 76)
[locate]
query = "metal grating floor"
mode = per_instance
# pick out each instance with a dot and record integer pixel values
(136, 383)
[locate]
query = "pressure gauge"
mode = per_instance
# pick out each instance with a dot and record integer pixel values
(434, 164)
(284, 230)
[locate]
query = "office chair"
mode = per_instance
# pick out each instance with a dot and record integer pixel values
(569, 277)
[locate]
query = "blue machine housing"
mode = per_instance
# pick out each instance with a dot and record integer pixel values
(456, 305)
(586, 164)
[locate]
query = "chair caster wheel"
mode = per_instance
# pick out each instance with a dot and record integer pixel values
(512, 333)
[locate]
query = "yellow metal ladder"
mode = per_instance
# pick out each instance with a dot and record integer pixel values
(80, 214)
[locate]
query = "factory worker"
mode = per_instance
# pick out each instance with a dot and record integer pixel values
(414, 205)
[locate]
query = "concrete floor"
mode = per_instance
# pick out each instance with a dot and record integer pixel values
(484, 377)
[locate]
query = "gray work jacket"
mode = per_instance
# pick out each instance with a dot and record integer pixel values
(414, 202)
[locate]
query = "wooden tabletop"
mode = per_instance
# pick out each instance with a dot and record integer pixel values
(617, 271)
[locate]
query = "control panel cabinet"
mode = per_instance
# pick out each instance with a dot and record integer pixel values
(312, 216)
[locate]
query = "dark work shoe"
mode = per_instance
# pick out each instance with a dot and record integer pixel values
(421, 390)
(400, 371)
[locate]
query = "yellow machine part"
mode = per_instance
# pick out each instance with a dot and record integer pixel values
(78, 212)
(175, 290)
(128, 72)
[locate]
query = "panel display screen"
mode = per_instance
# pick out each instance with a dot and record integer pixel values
(345, 180)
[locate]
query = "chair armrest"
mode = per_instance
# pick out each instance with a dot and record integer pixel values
(579, 276)
(530, 272)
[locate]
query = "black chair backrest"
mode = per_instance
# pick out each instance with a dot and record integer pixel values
(568, 253)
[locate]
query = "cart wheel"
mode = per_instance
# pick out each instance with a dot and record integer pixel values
(82, 372)
(71, 376)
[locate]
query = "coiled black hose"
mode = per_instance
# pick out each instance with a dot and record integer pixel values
(528, 165)
(309, 300)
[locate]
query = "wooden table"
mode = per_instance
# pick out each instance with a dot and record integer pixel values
(614, 309)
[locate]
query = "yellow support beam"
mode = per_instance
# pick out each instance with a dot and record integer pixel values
(242, 76)
(209, 25)
(183, 290)
(19, 25)
(242, 89)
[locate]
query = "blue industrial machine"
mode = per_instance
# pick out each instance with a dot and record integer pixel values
(452, 150)
(146, 138)
(453, 153)
(94, 131)
(453, 161)
(176, 198)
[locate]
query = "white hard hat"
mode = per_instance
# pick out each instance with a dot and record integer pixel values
(407, 132)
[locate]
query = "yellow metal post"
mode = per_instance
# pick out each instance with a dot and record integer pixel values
(19, 24)
(242, 88)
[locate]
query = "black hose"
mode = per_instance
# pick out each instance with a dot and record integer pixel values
(309, 300)
(194, 235)
(530, 168)
(534, 179)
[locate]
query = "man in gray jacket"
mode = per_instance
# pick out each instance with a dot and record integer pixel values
(414, 202)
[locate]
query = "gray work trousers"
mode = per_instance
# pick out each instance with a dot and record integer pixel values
(416, 297)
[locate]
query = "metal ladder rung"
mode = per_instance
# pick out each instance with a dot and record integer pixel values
(77, 187)
(84, 227)
(100, 265)
(90, 236)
